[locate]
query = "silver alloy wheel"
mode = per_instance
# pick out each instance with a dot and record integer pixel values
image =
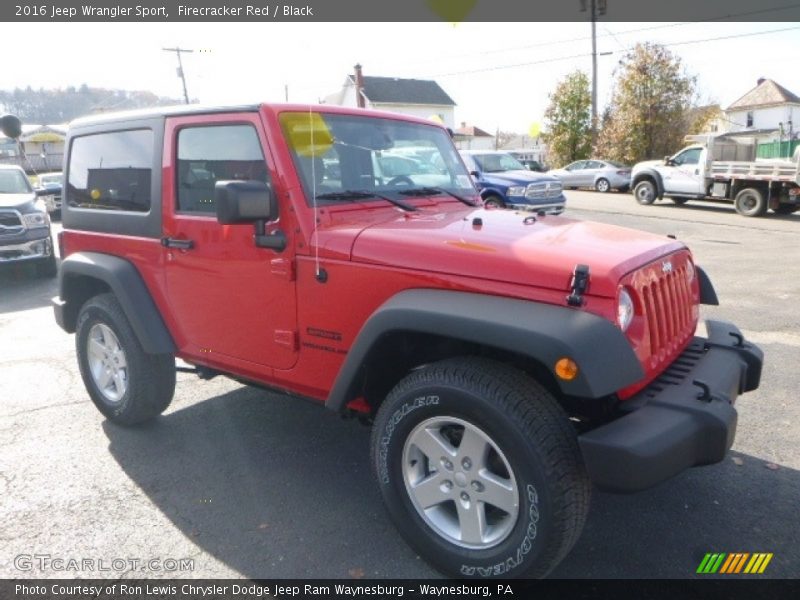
(602, 185)
(107, 362)
(460, 482)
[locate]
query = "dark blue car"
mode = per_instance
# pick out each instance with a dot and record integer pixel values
(504, 182)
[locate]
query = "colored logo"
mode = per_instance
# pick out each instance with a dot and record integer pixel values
(734, 563)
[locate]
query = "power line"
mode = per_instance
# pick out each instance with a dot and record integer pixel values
(624, 32)
(585, 54)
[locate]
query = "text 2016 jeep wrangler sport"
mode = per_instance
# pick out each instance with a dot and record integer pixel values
(506, 360)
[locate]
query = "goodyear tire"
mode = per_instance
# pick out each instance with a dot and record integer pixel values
(480, 470)
(125, 383)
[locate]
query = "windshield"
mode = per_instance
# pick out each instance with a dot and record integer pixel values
(497, 163)
(13, 181)
(337, 155)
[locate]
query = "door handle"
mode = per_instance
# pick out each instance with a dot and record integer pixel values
(176, 243)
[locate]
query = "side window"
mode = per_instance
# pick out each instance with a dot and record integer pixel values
(593, 164)
(576, 166)
(215, 153)
(111, 171)
(689, 157)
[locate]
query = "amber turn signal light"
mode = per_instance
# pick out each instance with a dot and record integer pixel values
(566, 369)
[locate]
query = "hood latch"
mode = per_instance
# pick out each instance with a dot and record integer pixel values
(579, 285)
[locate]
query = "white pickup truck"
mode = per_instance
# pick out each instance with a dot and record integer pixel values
(721, 168)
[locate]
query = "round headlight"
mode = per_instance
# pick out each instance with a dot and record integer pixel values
(624, 309)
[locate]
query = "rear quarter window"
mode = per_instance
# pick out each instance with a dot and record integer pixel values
(111, 171)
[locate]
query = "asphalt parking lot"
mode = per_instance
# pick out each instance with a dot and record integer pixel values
(257, 485)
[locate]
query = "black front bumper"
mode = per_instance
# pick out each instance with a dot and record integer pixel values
(682, 419)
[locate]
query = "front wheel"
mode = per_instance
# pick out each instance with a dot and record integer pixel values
(493, 201)
(480, 470)
(126, 384)
(645, 192)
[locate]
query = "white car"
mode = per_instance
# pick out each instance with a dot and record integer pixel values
(52, 180)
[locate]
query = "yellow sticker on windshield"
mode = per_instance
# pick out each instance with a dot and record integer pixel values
(307, 133)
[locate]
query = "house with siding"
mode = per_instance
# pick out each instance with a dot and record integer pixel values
(418, 97)
(770, 115)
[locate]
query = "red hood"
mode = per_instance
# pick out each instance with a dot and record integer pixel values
(542, 253)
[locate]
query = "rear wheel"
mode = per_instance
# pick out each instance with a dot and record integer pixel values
(750, 202)
(786, 209)
(480, 470)
(645, 192)
(602, 185)
(47, 267)
(125, 383)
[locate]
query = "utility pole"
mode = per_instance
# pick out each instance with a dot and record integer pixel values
(178, 52)
(595, 7)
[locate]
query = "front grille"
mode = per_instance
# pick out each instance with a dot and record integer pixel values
(546, 190)
(10, 223)
(668, 305)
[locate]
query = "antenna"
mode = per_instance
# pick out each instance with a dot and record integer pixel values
(317, 271)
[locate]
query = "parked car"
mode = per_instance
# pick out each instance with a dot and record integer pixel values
(51, 181)
(24, 223)
(505, 182)
(602, 175)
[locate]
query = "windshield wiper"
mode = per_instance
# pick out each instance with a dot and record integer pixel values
(428, 191)
(364, 194)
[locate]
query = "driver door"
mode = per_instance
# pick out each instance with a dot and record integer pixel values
(233, 303)
(686, 175)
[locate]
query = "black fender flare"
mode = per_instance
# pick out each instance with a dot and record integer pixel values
(124, 280)
(493, 191)
(708, 295)
(544, 332)
(650, 174)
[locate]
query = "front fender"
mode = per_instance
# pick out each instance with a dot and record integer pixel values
(650, 174)
(124, 280)
(543, 332)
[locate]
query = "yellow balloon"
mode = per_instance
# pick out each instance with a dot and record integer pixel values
(535, 130)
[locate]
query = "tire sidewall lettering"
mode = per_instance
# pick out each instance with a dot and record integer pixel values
(394, 420)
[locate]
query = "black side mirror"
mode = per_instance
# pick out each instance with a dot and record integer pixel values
(475, 174)
(249, 202)
(48, 191)
(244, 202)
(667, 160)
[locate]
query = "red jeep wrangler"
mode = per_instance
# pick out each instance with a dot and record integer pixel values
(506, 360)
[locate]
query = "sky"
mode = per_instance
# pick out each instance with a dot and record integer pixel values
(499, 74)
